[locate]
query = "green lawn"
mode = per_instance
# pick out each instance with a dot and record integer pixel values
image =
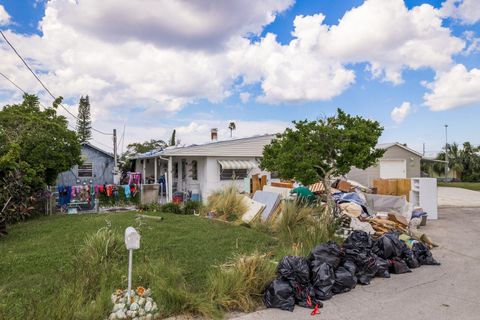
(466, 185)
(37, 254)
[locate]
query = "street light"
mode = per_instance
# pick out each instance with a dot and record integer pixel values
(446, 154)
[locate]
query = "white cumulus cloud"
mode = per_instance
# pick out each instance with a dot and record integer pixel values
(4, 16)
(454, 88)
(399, 114)
(467, 11)
(202, 24)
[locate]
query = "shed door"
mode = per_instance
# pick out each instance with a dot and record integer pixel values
(393, 169)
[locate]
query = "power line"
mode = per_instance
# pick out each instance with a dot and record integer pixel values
(43, 85)
(41, 105)
(1, 73)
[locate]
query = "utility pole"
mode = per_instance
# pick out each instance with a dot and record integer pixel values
(115, 180)
(424, 149)
(446, 153)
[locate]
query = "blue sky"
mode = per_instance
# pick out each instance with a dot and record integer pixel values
(192, 80)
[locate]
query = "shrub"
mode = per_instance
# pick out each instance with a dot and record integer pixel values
(239, 284)
(304, 226)
(227, 203)
(192, 207)
(154, 207)
(172, 208)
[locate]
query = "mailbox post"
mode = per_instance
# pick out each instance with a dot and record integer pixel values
(132, 242)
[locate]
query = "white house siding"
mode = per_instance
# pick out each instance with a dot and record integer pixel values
(213, 183)
(394, 152)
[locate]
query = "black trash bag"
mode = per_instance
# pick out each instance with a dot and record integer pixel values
(305, 296)
(344, 280)
(294, 269)
(398, 266)
(409, 257)
(350, 266)
(326, 252)
(367, 270)
(358, 249)
(382, 268)
(323, 278)
(279, 294)
(389, 246)
(423, 254)
(359, 240)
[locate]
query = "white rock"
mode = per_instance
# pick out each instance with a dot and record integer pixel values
(134, 306)
(149, 317)
(141, 301)
(112, 316)
(132, 313)
(147, 293)
(156, 316)
(118, 306)
(121, 314)
(148, 306)
(154, 307)
(141, 312)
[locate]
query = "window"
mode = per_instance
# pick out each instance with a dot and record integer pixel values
(184, 169)
(85, 170)
(175, 170)
(232, 174)
(194, 170)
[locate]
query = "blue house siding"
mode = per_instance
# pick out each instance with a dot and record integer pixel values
(102, 167)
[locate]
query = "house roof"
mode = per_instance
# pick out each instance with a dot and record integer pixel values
(389, 145)
(87, 144)
(243, 147)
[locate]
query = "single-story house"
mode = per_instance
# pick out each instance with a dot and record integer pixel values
(97, 168)
(398, 161)
(202, 169)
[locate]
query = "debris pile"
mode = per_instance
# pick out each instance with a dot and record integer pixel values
(332, 269)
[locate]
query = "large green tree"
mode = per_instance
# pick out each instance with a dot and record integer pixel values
(35, 146)
(84, 122)
(317, 150)
(464, 160)
(136, 148)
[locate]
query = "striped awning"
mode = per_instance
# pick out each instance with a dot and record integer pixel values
(237, 164)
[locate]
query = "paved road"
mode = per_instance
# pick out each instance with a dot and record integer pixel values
(458, 197)
(449, 291)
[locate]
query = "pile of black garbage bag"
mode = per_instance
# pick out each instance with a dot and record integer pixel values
(332, 269)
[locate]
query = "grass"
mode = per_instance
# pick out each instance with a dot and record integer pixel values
(303, 227)
(239, 284)
(227, 203)
(42, 261)
(475, 186)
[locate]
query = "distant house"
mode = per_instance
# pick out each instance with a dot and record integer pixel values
(202, 169)
(398, 161)
(97, 168)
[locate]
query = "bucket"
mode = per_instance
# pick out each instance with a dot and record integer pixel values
(195, 197)
(177, 197)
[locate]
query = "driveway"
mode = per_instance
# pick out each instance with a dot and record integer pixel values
(449, 291)
(458, 197)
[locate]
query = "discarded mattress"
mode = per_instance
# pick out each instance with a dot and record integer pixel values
(254, 209)
(283, 192)
(270, 200)
(385, 203)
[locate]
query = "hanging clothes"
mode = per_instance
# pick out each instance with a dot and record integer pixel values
(109, 190)
(126, 190)
(101, 188)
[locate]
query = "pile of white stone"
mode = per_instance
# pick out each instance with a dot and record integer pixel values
(140, 307)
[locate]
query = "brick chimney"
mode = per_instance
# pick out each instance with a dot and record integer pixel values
(214, 134)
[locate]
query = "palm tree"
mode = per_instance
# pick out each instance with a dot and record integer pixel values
(231, 127)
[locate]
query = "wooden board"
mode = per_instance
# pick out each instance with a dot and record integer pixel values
(282, 184)
(393, 187)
